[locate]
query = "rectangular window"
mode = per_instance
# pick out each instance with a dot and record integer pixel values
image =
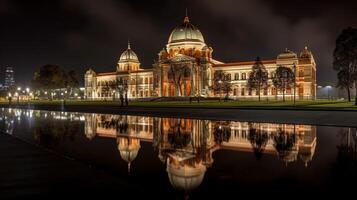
(236, 76)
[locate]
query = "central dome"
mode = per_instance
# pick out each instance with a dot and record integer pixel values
(186, 32)
(128, 56)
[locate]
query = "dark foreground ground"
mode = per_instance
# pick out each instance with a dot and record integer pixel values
(313, 117)
(29, 171)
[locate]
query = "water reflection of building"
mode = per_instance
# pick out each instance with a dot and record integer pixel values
(186, 145)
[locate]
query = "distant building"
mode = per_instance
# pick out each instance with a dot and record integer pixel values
(9, 77)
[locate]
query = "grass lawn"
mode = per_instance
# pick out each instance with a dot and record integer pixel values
(310, 105)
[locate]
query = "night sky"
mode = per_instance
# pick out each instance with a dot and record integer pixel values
(78, 34)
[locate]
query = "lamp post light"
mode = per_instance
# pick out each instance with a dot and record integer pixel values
(328, 91)
(294, 67)
(220, 89)
(16, 94)
(9, 96)
(28, 94)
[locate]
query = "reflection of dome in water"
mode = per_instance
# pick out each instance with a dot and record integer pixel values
(307, 153)
(128, 148)
(90, 134)
(184, 176)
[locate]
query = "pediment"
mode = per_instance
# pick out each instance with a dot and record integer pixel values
(180, 58)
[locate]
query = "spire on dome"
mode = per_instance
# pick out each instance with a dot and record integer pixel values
(128, 44)
(186, 20)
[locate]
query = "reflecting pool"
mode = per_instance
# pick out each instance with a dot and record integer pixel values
(192, 158)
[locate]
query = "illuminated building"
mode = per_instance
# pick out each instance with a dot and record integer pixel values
(9, 77)
(185, 67)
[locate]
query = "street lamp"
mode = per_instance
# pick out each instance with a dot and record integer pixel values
(328, 91)
(294, 67)
(220, 89)
(16, 94)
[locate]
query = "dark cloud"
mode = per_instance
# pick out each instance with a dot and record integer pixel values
(91, 33)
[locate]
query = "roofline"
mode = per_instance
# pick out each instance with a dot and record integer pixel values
(244, 63)
(121, 72)
(142, 70)
(106, 73)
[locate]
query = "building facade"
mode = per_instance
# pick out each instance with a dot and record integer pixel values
(185, 67)
(9, 77)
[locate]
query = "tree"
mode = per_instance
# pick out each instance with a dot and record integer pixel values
(345, 59)
(221, 83)
(284, 143)
(50, 77)
(258, 78)
(259, 139)
(222, 132)
(284, 78)
(345, 81)
(72, 81)
(122, 86)
(177, 73)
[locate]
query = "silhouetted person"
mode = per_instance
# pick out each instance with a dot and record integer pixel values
(126, 100)
(121, 100)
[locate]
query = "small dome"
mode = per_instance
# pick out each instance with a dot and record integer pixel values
(186, 32)
(205, 48)
(305, 53)
(90, 71)
(128, 55)
(287, 54)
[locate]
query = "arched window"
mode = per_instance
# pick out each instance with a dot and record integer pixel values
(236, 76)
(244, 76)
(229, 77)
(272, 74)
(243, 91)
